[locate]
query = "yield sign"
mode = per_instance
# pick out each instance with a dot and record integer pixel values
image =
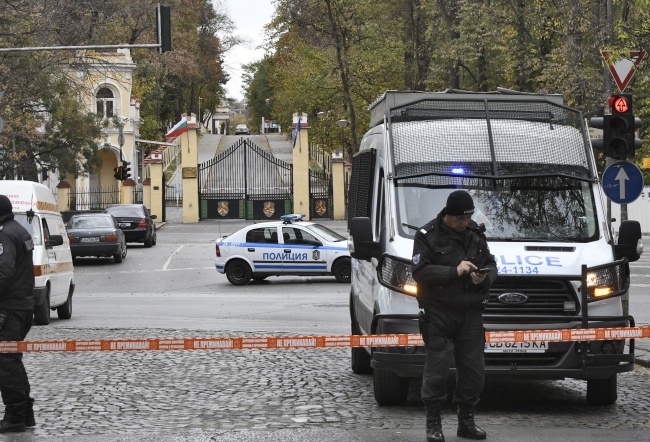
(623, 69)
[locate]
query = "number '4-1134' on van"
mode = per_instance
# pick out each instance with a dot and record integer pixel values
(528, 164)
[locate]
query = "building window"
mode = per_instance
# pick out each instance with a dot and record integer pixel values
(105, 103)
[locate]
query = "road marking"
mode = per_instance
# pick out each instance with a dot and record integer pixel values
(171, 256)
(145, 271)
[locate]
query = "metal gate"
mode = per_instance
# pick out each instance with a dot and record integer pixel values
(245, 182)
(320, 184)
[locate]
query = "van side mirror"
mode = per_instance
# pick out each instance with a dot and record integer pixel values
(54, 240)
(629, 243)
(361, 243)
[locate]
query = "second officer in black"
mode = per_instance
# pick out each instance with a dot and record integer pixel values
(454, 269)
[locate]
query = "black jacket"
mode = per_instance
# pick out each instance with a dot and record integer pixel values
(437, 251)
(16, 265)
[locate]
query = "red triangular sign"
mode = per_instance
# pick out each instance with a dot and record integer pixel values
(623, 69)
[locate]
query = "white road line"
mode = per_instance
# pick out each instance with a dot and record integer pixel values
(146, 271)
(171, 256)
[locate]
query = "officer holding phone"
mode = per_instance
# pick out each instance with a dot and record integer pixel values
(454, 269)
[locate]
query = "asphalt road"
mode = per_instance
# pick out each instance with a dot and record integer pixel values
(172, 290)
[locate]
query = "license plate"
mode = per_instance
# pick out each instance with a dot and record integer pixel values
(517, 347)
(91, 239)
(124, 224)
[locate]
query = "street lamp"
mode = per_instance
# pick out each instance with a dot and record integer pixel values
(342, 124)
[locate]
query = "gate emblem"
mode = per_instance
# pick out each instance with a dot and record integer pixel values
(321, 207)
(222, 208)
(269, 208)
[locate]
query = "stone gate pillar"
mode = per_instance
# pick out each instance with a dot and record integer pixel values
(301, 164)
(189, 162)
(338, 186)
(63, 196)
(155, 163)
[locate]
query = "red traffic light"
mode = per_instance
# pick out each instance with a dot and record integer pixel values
(620, 104)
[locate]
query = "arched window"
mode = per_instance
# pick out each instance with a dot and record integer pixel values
(105, 103)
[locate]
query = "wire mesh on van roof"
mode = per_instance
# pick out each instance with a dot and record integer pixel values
(489, 138)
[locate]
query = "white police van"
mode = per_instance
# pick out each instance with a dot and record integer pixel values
(527, 161)
(35, 208)
(286, 247)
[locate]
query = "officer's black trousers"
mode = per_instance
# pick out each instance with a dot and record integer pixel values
(14, 384)
(453, 335)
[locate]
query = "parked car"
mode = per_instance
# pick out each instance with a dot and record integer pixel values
(242, 129)
(96, 234)
(286, 247)
(136, 222)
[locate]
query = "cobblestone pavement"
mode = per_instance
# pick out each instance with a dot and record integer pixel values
(119, 394)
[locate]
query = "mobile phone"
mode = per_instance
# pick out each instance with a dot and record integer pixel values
(482, 271)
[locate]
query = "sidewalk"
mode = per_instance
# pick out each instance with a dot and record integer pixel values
(641, 346)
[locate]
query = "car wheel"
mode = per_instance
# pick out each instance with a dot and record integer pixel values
(65, 311)
(124, 250)
(153, 241)
(342, 269)
(149, 241)
(42, 312)
(118, 257)
(389, 388)
(238, 272)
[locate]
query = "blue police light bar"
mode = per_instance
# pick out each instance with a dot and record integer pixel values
(292, 217)
(458, 171)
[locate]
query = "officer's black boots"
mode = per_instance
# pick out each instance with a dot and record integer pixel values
(17, 417)
(466, 426)
(29, 414)
(14, 419)
(434, 422)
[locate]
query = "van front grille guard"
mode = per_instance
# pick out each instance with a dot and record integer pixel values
(599, 282)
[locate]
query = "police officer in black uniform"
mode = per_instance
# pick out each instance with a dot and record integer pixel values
(16, 312)
(454, 270)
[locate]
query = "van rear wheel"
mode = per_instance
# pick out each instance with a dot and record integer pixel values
(42, 312)
(389, 388)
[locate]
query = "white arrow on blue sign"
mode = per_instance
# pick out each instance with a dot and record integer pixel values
(622, 182)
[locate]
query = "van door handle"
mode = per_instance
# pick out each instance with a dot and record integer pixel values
(287, 250)
(251, 249)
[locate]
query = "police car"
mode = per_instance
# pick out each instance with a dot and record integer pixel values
(287, 247)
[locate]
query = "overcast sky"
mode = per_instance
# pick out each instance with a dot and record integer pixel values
(249, 17)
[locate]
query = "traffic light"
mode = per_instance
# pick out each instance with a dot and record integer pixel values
(619, 136)
(164, 28)
(118, 173)
(126, 170)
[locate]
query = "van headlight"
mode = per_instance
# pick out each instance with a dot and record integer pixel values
(606, 281)
(395, 273)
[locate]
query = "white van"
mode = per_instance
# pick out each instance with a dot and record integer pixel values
(527, 161)
(35, 208)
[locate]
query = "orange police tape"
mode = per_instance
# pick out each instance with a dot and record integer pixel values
(403, 340)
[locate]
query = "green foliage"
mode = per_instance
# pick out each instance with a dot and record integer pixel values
(41, 107)
(337, 56)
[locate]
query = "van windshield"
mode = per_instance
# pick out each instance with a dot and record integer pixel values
(33, 228)
(554, 208)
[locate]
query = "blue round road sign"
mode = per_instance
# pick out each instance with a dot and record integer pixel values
(622, 182)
